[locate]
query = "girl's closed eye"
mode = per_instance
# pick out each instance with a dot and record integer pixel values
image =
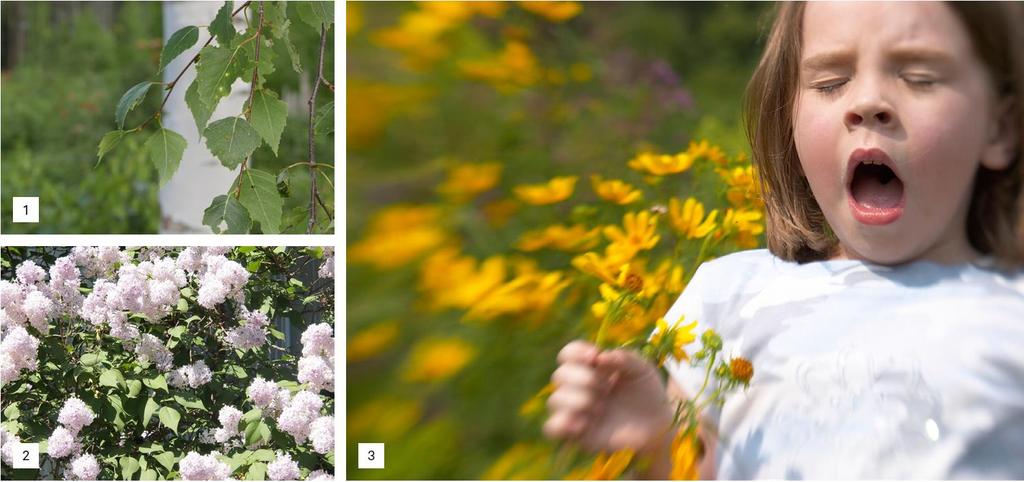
(829, 86)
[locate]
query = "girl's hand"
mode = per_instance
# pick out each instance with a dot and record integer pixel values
(608, 400)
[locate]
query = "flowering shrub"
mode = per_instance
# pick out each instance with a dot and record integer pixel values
(164, 362)
(553, 183)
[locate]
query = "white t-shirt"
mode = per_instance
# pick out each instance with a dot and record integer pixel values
(862, 370)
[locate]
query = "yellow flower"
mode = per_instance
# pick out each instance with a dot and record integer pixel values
(668, 277)
(436, 359)
(372, 340)
(681, 335)
(556, 190)
(499, 212)
(465, 181)
(745, 224)
(742, 184)
(514, 67)
(626, 318)
(453, 281)
(560, 237)
(705, 150)
(399, 234)
(370, 106)
(688, 218)
(353, 18)
(536, 403)
(615, 191)
(552, 11)
(520, 462)
(604, 268)
(686, 455)
(385, 418)
(639, 232)
(661, 164)
(741, 369)
(608, 467)
(529, 294)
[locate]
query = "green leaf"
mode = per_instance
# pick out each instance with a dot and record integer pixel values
(128, 466)
(131, 99)
(257, 471)
(148, 474)
(324, 121)
(236, 371)
(228, 211)
(232, 140)
(217, 68)
(284, 183)
(134, 388)
(190, 402)
(182, 305)
(251, 415)
(12, 412)
(221, 26)
(90, 359)
(110, 140)
(167, 459)
(148, 449)
(176, 332)
(263, 455)
(264, 431)
(111, 378)
(268, 116)
(260, 198)
(165, 148)
(276, 334)
(179, 42)
(170, 417)
(316, 13)
(200, 111)
(274, 15)
(115, 401)
(156, 383)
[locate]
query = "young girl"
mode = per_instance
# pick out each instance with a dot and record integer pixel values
(885, 321)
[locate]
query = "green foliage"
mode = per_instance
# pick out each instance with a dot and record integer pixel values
(132, 98)
(269, 115)
(227, 210)
(165, 148)
(143, 427)
(232, 140)
(258, 193)
(70, 75)
(179, 42)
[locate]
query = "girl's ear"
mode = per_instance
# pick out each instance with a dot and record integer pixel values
(1003, 142)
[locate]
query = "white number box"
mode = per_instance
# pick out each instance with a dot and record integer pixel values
(26, 456)
(26, 210)
(371, 456)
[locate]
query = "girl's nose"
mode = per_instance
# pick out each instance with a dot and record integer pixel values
(869, 109)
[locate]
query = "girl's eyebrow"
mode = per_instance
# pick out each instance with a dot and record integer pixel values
(826, 60)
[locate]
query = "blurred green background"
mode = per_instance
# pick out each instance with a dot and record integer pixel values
(543, 90)
(65, 65)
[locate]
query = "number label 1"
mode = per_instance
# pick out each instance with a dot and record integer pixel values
(25, 210)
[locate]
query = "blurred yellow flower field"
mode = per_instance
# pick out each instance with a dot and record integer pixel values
(521, 175)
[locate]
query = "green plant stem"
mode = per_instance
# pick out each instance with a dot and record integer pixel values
(312, 146)
(252, 91)
(707, 375)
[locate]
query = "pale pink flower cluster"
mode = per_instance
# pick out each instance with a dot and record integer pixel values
(321, 434)
(203, 467)
(221, 279)
(266, 395)
(18, 352)
(29, 273)
(327, 269)
(151, 349)
(99, 261)
(229, 417)
(75, 414)
(83, 467)
(316, 367)
(27, 300)
(62, 443)
(283, 468)
(7, 442)
(319, 475)
(194, 375)
(65, 279)
(252, 333)
(299, 414)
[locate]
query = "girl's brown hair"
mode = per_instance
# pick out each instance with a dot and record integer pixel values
(797, 229)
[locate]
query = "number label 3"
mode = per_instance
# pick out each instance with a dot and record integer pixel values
(371, 456)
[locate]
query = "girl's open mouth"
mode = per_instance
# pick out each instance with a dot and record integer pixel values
(875, 189)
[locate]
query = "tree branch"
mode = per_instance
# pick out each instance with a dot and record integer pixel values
(312, 148)
(174, 83)
(252, 90)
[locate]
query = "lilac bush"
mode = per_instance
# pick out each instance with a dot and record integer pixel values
(168, 363)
